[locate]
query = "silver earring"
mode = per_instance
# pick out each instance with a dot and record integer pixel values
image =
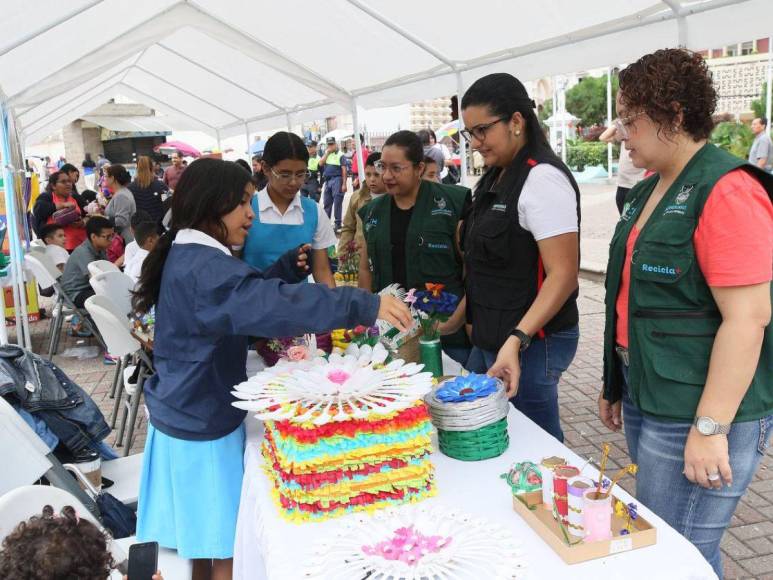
(517, 133)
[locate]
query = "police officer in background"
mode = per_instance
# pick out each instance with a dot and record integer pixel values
(334, 173)
(312, 187)
(411, 233)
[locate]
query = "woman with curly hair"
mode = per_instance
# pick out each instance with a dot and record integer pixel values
(57, 547)
(688, 345)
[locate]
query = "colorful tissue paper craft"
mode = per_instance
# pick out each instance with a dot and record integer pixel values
(429, 542)
(343, 435)
(434, 306)
(523, 477)
(470, 414)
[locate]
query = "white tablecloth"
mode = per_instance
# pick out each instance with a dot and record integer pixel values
(269, 547)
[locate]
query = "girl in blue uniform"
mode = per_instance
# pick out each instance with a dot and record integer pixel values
(207, 304)
(284, 218)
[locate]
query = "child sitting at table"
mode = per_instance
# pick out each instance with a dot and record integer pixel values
(131, 248)
(146, 236)
(283, 217)
(207, 305)
(55, 239)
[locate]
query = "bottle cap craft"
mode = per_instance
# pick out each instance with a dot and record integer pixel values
(349, 433)
(470, 414)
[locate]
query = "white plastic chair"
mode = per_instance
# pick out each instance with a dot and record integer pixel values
(37, 244)
(117, 286)
(120, 342)
(98, 266)
(24, 502)
(47, 275)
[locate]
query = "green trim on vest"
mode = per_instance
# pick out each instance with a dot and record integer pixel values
(431, 254)
(673, 318)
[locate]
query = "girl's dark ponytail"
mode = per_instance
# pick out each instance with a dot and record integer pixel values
(149, 285)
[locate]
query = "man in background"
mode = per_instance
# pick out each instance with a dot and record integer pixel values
(761, 152)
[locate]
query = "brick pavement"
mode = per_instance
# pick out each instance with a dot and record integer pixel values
(748, 545)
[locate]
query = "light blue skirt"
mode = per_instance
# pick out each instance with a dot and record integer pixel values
(189, 493)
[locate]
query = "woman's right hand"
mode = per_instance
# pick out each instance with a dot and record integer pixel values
(610, 413)
(395, 312)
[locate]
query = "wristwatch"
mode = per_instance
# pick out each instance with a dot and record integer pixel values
(524, 338)
(708, 426)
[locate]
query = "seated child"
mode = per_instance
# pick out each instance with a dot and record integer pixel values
(431, 170)
(57, 546)
(54, 237)
(146, 236)
(131, 248)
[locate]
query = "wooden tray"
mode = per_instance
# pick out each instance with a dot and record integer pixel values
(541, 521)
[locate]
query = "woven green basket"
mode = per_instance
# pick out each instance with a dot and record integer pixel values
(484, 443)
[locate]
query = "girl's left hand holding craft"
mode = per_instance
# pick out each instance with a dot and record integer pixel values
(303, 257)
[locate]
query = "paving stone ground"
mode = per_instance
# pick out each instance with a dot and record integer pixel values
(747, 546)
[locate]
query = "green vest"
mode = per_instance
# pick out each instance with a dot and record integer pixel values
(673, 317)
(313, 165)
(334, 158)
(430, 249)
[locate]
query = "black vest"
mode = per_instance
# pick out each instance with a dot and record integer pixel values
(503, 267)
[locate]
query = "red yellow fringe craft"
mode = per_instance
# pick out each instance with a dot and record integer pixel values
(345, 456)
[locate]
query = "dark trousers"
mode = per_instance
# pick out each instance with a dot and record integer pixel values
(81, 298)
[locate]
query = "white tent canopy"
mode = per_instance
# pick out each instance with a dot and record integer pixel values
(230, 66)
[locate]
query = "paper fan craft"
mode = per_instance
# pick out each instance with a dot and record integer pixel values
(417, 543)
(345, 434)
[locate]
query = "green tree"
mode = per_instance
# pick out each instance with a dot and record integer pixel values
(759, 106)
(588, 100)
(545, 111)
(736, 138)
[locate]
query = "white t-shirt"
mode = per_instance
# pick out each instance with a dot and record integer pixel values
(323, 238)
(547, 206)
(627, 174)
(129, 251)
(133, 267)
(57, 254)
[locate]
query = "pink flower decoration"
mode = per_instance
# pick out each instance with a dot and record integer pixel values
(338, 376)
(298, 353)
(410, 298)
(407, 545)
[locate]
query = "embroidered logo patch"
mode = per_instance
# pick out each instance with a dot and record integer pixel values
(684, 194)
(672, 271)
(371, 223)
(499, 207)
(440, 202)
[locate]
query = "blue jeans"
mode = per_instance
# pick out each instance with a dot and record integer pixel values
(334, 198)
(459, 353)
(700, 515)
(542, 365)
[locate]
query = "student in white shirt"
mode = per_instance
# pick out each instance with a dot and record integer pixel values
(146, 236)
(54, 237)
(284, 219)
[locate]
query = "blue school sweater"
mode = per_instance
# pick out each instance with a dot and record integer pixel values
(208, 305)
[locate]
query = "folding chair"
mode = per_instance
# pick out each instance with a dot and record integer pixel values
(117, 286)
(99, 266)
(115, 330)
(48, 275)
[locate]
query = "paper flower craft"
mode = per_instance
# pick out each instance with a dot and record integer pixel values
(352, 386)
(434, 307)
(473, 386)
(433, 543)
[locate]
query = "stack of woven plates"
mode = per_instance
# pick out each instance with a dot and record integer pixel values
(470, 414)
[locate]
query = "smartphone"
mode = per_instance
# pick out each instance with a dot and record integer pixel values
(143, 561)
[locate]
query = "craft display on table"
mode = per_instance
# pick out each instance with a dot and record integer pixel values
(470, 414)
(433, 306)
(422, 542)
(345, 434)
(347, 273)
(583, 520)
(294, 349)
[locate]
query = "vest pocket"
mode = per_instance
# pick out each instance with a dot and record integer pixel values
(662, 267)
(436, 256)
(492, 241)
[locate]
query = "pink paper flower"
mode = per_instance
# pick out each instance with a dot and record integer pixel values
(298, 353)
(338, 376)
(410, 298)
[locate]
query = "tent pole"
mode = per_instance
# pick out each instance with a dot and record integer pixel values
(219, 147)
(13, 235)
(247, 140)
(562, 103)
(289, 123)
(770, 81)
(357, 143)
(609, 120)
(462, 140)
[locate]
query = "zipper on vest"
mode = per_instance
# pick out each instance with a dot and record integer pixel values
(660, 334)
(666, 314)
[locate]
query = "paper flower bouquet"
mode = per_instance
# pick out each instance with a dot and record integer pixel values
(350, 433)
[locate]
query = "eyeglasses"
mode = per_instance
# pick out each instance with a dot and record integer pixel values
(394, 169)
(288, 177)
(479, 131)
(622, 124)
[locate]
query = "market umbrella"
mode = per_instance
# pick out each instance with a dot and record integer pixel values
(450, 128)
(171, 146)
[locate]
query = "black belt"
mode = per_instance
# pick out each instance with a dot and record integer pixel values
(623, 354)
